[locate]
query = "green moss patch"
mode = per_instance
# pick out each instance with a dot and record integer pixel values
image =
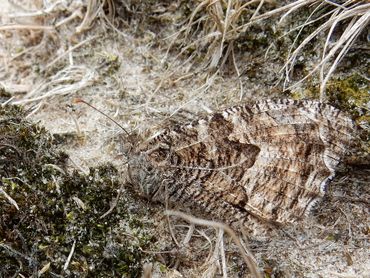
(350, 94)
(44, 211)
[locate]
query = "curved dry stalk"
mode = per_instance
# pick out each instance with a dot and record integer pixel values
(193, 14)
(218, 252)
(93, 8)
(348, 38)
(301, 27)
(246, 254)
(10, 199)
(203, 234)
(295, 5)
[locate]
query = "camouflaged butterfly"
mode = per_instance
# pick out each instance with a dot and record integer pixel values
(271, 160)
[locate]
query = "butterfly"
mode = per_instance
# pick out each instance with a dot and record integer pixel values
(271, 160)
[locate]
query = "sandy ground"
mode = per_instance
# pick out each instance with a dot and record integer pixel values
(143, 96)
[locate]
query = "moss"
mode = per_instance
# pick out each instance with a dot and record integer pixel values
(26, 148)
(350, 94)
(67, 138)
(58, 209)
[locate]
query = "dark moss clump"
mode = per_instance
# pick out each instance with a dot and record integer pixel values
(58, 210)
(26, 150)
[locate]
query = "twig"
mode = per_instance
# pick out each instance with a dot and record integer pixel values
(147, 270)
(114, 203)
(222, 253)
(10, 199)
(22, 27)
(78, 100)
(70, 256)
(197, 221)
(11, 250)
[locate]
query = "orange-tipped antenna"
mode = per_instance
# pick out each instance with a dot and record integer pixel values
(79, 100)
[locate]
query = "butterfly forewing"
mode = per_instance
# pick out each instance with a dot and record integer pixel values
(271, 160)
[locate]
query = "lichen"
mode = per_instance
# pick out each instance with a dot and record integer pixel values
(109, 63)
(349, 94)
(58, 209)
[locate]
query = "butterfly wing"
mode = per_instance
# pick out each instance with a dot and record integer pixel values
(301, 143)
(271, 160)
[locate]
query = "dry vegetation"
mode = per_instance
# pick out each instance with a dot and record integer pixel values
(147, 64)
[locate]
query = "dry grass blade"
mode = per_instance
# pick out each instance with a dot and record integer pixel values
(93, 8)
(220, 21)
(256, 18)
(358, 15)
(248, 259)
(25, 27)
(347, 39)
(66, 81)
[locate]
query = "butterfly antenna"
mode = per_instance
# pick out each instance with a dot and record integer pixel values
(79, 100)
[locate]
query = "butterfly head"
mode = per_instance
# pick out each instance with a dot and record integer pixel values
(144, 171)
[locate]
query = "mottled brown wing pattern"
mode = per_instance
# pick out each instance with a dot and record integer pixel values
(271, 160)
